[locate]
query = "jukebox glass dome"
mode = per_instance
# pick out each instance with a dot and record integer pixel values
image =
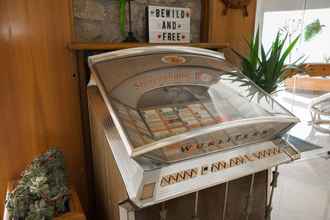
(174, 104)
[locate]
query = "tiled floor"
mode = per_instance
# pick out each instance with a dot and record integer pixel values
(303, 191)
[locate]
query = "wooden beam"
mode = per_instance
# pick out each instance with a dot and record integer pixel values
(205, 21)
(318, 69)
(232, 28)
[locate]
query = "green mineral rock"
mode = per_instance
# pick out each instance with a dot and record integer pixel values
(42, 192)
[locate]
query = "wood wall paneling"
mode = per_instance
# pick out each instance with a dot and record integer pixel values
(232, 28)
(39, 95)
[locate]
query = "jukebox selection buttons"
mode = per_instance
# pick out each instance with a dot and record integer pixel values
(161, 134)
(187, 117)
(153, 120)
(154, 123)
(178, 130)
(201, 114)
(151, 116)
(177, 119)
(171, 119)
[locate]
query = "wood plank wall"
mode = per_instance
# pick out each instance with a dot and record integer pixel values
(232, 28)
(39, 96)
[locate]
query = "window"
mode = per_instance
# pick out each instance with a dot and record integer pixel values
(308, 18)
(311, 20)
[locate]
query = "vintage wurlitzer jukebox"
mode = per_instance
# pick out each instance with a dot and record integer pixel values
(178, 133)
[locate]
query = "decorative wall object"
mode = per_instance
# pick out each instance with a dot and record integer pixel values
(236, 4)
(130, 35)
(99, 20)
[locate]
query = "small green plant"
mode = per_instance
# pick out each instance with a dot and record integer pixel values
(268, 69)
(312, 29)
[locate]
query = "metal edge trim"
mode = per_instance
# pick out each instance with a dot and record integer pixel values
(152, 50)
(141, 204)
(116, 121)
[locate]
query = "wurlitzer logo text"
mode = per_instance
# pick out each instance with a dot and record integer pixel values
(218, 166)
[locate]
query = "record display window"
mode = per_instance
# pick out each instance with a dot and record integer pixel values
(162, 105)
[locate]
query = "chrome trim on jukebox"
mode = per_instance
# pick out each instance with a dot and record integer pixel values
(190, 179)
(139, 51)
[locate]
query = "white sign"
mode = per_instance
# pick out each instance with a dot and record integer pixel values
(169, 24)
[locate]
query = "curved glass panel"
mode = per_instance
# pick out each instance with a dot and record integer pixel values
(162, 103)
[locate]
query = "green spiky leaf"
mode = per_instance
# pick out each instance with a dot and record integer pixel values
(268, 69)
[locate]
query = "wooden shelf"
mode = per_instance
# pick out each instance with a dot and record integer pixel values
(308, 84)
(118, 46)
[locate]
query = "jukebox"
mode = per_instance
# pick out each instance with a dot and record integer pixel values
(178, 133)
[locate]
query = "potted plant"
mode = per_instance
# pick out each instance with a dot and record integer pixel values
(268, 69)
(42, 193)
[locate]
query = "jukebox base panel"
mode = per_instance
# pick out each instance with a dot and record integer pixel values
(244, 198)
